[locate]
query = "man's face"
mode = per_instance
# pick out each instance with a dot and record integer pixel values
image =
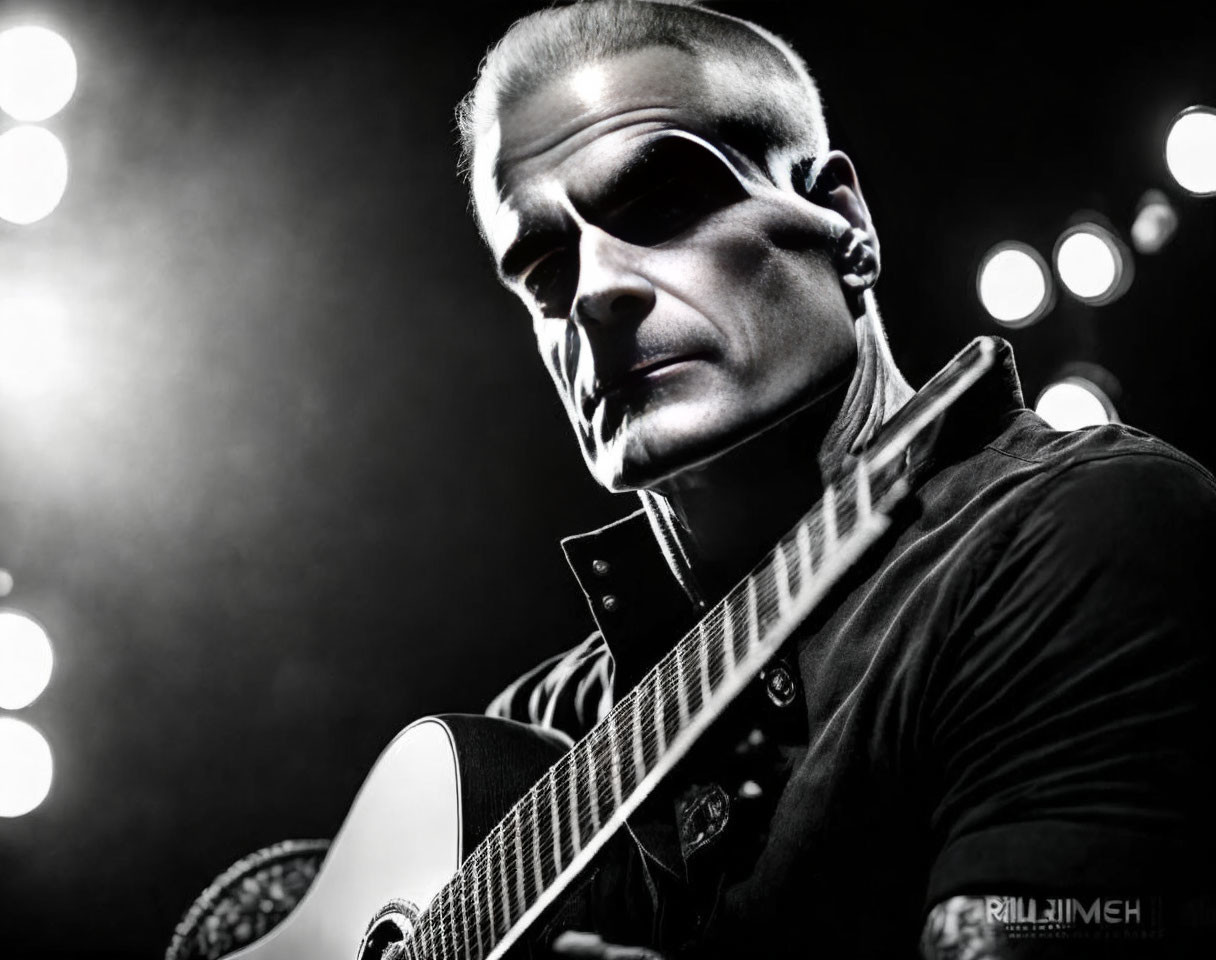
(680, 300)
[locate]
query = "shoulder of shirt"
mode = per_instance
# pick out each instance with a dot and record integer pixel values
(1109, 501)
(1030, 440)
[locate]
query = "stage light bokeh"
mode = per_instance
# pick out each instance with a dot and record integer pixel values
(1014, 285)
(26, 767)
(33, 174)
(37, 73)
(1089, 263)
(1190, 150)
(1155, 223)
(1074, 402)
(26, 660)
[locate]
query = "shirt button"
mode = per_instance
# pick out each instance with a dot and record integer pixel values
(600, 567)
(779, 683)
(610, 602)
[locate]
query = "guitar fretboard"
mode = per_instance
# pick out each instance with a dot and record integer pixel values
(553, 831)
(568, 812)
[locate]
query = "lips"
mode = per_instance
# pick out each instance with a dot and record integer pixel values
(639, 371)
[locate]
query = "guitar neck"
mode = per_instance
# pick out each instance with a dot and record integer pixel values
(554, 830)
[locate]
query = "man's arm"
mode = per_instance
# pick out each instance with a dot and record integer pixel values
(1074, 734)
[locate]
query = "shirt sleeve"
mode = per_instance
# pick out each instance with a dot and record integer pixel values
(1073, 734)
(568, 692)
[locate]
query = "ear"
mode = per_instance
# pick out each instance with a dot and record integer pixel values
(834, 186)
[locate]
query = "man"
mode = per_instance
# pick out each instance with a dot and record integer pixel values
(1007, 700)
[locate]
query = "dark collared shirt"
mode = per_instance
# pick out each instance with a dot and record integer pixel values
(1012, 696)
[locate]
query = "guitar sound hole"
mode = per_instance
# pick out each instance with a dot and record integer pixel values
(390, 927)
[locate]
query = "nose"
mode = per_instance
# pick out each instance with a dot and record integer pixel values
(611, 286)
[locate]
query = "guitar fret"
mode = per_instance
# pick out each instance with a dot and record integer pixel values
(576, 839)
(536, 859)
(557, 830)
(519, 862)
(427, 935)
(781, 573)
(803, 538)
(593, 792)
(660, 722)
(506, 884)
(481, 951)
(614, 761)
(728, 636)
(477, 906)
(639, 753)
(450, 916)
(703, 665)
(753, 616)
(830, 538)
(865, 505)
(681, 689)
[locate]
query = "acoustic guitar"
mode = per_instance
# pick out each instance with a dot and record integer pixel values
(469, 828)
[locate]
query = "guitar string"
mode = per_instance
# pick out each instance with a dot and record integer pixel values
(705, 645)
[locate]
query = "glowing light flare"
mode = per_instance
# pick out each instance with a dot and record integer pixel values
(31, 345)
(1155, 223)
(1190, 150)
(1090, 263)
(1073, 403)
(1013, 284)
(37, 73)
(26, 767)
(25, 660)
(33, 174)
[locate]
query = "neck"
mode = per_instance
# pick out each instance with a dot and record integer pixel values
(717, 520)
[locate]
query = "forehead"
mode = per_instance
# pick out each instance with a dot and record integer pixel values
(568, 136)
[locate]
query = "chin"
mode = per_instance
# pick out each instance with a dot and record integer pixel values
(650, 451)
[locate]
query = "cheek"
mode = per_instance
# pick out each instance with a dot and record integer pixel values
(770, 286)
(558, 346)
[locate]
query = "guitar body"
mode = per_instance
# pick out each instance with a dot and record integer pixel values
(432, 796)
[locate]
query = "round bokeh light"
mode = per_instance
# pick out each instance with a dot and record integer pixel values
(26, 660)
(33, 174)
(26, 767)
(1013, 284)
(1089, 263)
(37, 73)
(1073, 403)
(1190, 150)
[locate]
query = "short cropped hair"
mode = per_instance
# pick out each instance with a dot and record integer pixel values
(780, 109)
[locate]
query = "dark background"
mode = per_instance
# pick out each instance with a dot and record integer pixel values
(302, 477)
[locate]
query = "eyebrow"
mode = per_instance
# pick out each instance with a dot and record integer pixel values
(534, 241)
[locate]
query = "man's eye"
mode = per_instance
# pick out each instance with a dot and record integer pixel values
(682, 187)
(551, 282)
